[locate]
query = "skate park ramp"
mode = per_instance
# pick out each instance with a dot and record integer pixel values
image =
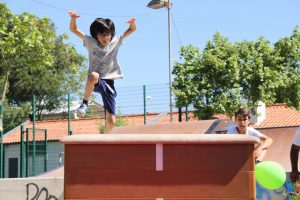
(58, 172)
(159, 166)
(279, 151)
(193, 127)
(52, 181)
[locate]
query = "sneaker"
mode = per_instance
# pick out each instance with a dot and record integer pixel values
(82, 109)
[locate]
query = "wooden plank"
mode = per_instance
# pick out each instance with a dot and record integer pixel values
(235, 157)
(188, 184)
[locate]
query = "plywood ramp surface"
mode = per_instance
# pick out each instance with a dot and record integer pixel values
(192, 167)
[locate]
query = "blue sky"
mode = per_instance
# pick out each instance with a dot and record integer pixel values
(144, 55)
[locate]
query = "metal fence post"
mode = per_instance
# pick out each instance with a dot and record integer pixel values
(145, 112)
(22, 152)
(33, 135)
(69, 116)
(27, 152)
(46, 153)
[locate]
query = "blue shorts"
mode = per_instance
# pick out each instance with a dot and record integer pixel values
(107, 90)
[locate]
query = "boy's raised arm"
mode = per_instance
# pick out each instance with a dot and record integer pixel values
(73, 24)
(132, 27)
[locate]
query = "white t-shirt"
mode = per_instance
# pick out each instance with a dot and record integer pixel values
(296, 139)
(250, 131)
(104, 59)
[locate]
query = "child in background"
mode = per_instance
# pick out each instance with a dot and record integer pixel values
(102, 48)
(294, 155)
(242, 120)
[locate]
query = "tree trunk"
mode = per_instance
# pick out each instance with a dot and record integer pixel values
(2, 100)
(4, 87)
(3, 91)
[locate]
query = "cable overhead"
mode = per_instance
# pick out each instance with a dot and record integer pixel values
(176, 30)
(94, 14)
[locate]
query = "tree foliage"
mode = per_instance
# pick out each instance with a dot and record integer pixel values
(38, 61)
(228, 75)
(288, 52)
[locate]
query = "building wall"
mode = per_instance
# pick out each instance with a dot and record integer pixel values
(54, 150)
(10, 151)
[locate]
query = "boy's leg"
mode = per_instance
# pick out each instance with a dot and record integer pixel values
(108, 93)
(111, 122)
(89, 87)
(262, 155)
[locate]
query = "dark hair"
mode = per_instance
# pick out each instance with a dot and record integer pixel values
(243, 111)
(100, 26)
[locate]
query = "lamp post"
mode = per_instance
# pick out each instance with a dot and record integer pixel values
(157, 4)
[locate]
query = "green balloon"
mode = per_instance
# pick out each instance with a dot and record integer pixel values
(270, 175)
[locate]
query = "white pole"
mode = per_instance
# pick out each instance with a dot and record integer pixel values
(170, 64)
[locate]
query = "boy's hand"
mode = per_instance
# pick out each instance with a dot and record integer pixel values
(73, 14)
(131, 20)
(131, 28)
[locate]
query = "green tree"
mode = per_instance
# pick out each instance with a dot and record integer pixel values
(14, 115)
(208, 80)
(288, 50)
(183, 86)
(259, 73)
(35, 61)
(225, 76)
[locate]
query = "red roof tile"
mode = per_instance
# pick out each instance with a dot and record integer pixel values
(55, 129)
(277, 115)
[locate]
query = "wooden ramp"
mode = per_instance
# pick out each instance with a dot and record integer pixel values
(159, 167)
(58, 172)
(279, 151)
(194, 127)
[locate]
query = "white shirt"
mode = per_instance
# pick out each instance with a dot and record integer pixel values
(250, 131)
(103, 60)
(296, 139)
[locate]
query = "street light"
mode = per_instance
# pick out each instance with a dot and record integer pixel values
(157, 4)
